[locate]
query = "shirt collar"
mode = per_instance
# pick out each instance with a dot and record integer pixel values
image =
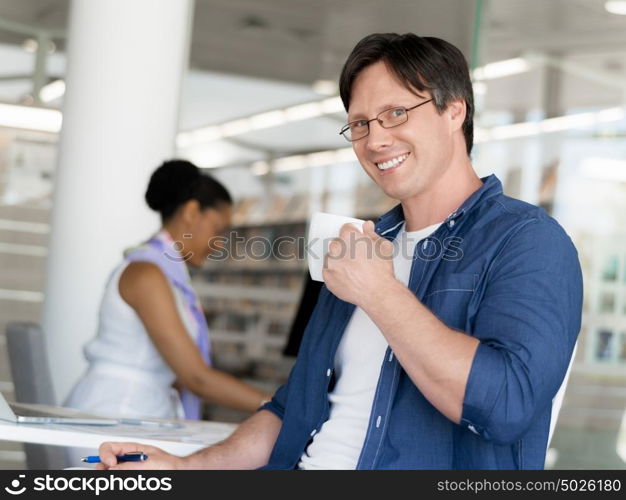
(393, 219)
(164, 235)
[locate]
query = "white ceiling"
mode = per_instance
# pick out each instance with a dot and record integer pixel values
(292, 40)
(302, 40)
(276, 48)
(566, 26)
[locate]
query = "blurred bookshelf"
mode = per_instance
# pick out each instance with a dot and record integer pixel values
(250, 292)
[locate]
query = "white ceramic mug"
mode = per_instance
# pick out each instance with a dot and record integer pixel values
(323, 228)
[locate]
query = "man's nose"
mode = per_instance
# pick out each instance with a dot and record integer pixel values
(379, 136)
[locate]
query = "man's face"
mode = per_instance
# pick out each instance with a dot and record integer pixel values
(421, 147)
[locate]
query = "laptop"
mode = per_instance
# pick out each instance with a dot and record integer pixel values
(27, 414)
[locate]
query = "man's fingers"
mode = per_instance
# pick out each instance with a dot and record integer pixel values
(348, 228)
(334, 248)
(132, 465)
(109, 451)
(369, 228)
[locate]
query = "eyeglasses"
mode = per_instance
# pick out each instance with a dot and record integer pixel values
(389, 118)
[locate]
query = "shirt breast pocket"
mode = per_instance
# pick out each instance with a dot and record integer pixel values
(448, 297)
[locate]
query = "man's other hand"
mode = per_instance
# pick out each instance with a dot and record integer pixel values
(157, 458)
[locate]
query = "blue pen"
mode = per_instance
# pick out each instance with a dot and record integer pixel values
(136, 456)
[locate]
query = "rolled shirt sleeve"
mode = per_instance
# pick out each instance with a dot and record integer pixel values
(527, 323)
(278, 402)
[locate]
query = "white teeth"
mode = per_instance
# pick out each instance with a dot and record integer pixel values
(392, 163)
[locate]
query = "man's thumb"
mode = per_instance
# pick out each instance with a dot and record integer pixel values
(370, 229)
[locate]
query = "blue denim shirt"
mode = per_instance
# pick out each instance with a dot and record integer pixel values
(498, 269)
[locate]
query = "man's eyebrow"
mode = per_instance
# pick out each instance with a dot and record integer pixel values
(384, 107)
(359, 116)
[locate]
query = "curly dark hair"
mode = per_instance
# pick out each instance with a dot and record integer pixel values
(177, 181)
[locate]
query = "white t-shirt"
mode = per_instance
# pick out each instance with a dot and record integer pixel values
(357, 368)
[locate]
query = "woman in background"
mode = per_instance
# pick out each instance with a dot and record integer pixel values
(152, 333)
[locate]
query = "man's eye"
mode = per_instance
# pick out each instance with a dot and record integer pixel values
(358, 124)
(398, 112)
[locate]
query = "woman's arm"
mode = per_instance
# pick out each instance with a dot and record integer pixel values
(145, 288)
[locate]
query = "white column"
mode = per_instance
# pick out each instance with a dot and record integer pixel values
(126, 61)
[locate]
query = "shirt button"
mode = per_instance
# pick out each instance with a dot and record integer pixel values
(378, 420)
(390, 355)
(328, 372)
(472, 428)
(451, 223)
(313, 432)
(425, 245)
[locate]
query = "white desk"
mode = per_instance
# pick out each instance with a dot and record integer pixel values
(190, 437)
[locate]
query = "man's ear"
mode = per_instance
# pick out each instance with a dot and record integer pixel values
(457, 111)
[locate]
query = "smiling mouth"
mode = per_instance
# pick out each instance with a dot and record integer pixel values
(394, 162)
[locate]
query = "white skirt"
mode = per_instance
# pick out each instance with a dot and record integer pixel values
(120, 391)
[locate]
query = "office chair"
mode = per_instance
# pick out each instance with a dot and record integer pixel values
(557, 402)
(32, 381)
